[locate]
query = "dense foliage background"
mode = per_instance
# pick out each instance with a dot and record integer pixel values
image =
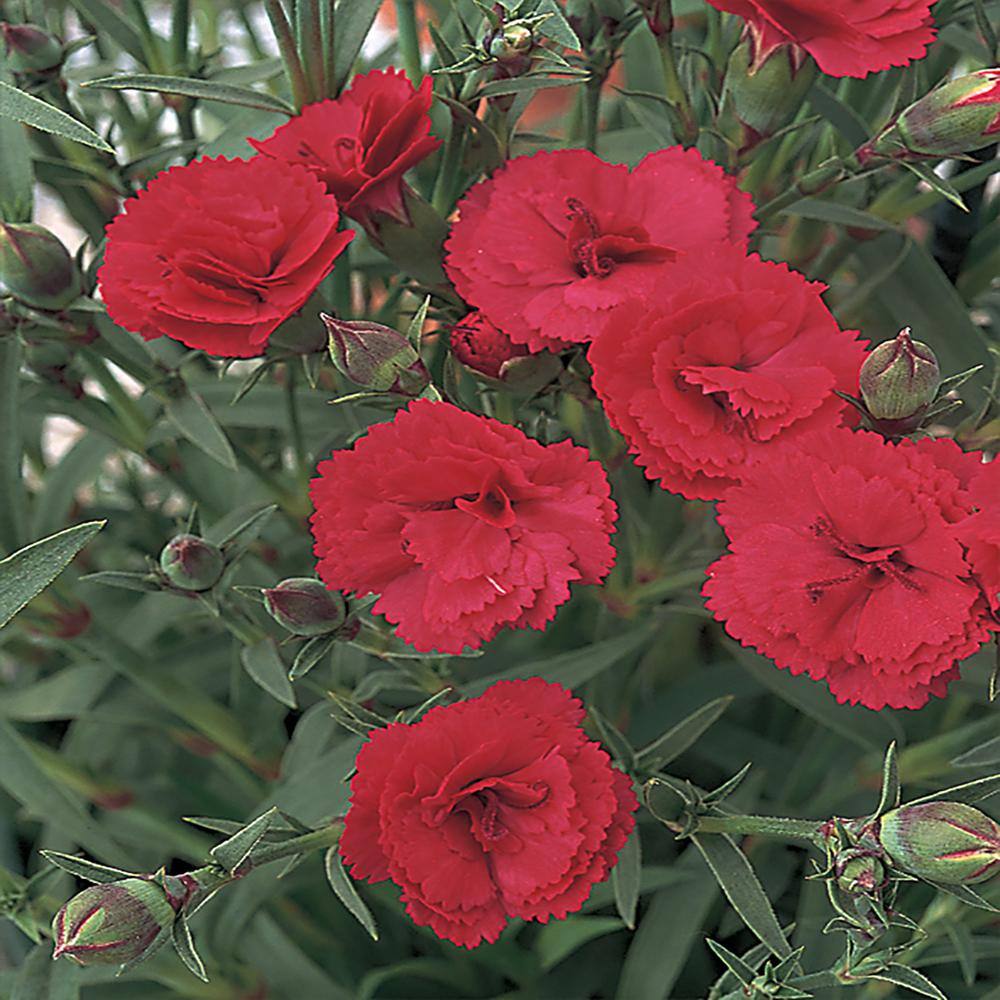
(122, 711)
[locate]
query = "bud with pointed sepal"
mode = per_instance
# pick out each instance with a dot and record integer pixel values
(764, 90)
(30, 49)
(898, 382)
(947, 842)
(35, 268)
(113, 923)
(376, 356)
(859, 870)
(190, 563)
(305, 607)
(958, 117)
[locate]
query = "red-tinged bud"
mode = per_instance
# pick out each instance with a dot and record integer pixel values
(30, 49)
(305, 607)
(764, 90)
(191, 563)
(958, 117)
(948, 842)
(859, 871)
(113, 923)
(481, 346)
(35, 268)
(898, 382)
(376, 357)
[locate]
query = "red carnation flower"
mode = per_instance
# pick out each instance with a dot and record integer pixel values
(847, 562)
(218, 253)
(554, 245)
(361, 143)
(477, 343)
(980, 533)
(492, 808)
(733, 353)
(845, 37)
(462, 524)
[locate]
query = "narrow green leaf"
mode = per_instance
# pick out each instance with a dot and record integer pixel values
(245, 533)
(738, 881)
(743, 972)
(111, 22)
(192, 417)
(22, 107)
(967, 895)
(910, 979)
(840, 115)
(27, 572)
(263, 663)
(889, 797)
(616, 744)
(556, 27)
(970, 791)
(938, 183)
(184, 943)
(309, 654)
(16, 176)
(203, 90)
(88, 870)
(965, 950)
(142, 582)
(342, 885)
(233, 851)
(65, 694)
(685, 734)
(527, 85)
(625, 879)
(353, 20)
(841, 215)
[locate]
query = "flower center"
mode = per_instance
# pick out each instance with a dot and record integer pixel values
(491, 505)
(873, 567)
(595, 254)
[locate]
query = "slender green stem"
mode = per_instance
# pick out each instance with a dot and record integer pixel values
(675, 91)
(409, 41)
(289, 53)
(295, 423)
(765, 826)
(328, 31)
(180, 23)
(317, 840)
(591, 111)
(309, 29)
(451, 161)
(824, 176)
(342, 298)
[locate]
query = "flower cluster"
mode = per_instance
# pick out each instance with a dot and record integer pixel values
(492, 808)
(219, 253)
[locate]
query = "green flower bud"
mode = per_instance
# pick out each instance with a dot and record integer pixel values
(948, 842)
(859, 871)
(376, 357)
(36, 268)
(305, 607)
(958, 117)
(113, 923)
(30, 49)
(191, 563)
(764, 95)
(898, 382)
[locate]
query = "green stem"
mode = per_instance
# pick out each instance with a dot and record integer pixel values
(289, 53)
(824, 176)
(309, 28)
(675, 91)
(764, 826)
(451, 161)
(295, 424)
(317, 840)
(409, 41)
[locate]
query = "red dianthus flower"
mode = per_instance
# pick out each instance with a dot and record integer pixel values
(218, 253)
(845, 37)
(732, 353)
(980, 533)
(479, 345)
(462, 524)
(847, 561)
(553, 245)
(361, 143)
(492, 808)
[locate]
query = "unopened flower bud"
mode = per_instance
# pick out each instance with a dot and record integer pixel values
(305, 607)
(513, 42)
(376, 357)
(36, 268)
(948, 842)
(481, 346)
(958, 117)
(765, 93)
(898, 382)
(191, 563)
(859, 871)
(113, 923)
(30, 49)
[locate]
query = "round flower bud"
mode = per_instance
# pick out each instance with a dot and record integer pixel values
(30, 49)
(376, 356)
(859, 871)
(764, 95)
(958, 117)
(36, 268)
(898, 382)
(305, 607)
(948, 842)
(191, 563)
(481, 346)
(113, 923)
